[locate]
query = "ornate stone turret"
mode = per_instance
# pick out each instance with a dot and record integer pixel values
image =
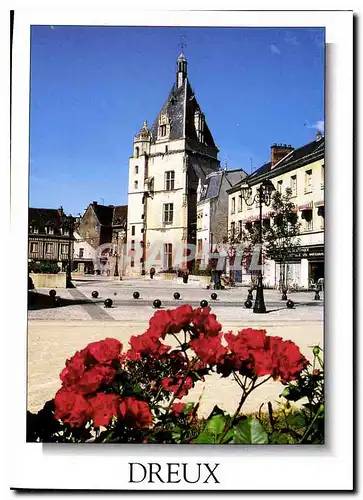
(142, 141)
(181, 73)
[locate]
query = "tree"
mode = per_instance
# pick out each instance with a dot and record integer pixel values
(281, 238)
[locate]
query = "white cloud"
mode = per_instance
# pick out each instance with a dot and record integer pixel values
(291, 39)
(318, 125)
(274, 49)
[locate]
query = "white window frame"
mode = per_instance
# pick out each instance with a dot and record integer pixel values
(169, 180)
(168, 213)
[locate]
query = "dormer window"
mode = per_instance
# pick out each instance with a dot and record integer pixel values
(164, 127)
(199, 121)
(49, 230)
(33, 229)
(65, 231)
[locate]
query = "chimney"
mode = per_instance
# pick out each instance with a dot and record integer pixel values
(94, 203)
(279, 151)
(60, 211)
(319, 135)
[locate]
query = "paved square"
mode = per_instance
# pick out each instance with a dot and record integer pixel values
(54, 334)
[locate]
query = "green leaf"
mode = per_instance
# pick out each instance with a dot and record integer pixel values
(250, 431)
(216, 411)
(216, 424)
(204, 438)
(297, 420)
(279, 438)
(228, 437)
(188, 408)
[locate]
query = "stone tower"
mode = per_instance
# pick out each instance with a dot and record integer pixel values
(168, 161)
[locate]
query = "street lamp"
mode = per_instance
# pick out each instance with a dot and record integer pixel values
(68, 223)
(262, 197)
(122, 236)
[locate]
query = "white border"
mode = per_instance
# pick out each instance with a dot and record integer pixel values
(263, 468)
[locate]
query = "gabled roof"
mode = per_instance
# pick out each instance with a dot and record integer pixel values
(213, 182)
(312, 148)
(104, 213)
(180, 108)
(46, 217)
(298, 157)
(110, 215)
(119, 215)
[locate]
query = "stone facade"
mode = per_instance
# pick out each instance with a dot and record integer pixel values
(167, 163)
(99, 235)
(212, 210)
(50, 236)
(303, 171)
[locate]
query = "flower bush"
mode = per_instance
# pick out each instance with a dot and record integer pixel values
(110, 393)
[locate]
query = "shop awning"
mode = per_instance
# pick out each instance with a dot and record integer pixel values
(319, 203)
(306, 206)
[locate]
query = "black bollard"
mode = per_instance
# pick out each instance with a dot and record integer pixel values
(317, 295)
(176, 295)
(214, 296)
(203, 303)
(52, 293)
(94, 294)
(290, 304)
(136, 295)
(284, 294)
(250, 294)
(157, 303)
(248, 304)
(108, 303)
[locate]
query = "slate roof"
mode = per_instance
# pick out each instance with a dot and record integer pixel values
(298, 157)
(45, 217)
(180, 107)
(104, 213)
(110, 215)
(119, 215)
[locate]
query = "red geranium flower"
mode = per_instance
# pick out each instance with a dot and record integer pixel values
(160, 323)
(146, 345)
(205, 322)
(181, 317)
(177, 408)
(93, 378)
(105, 351)
(287, 360)
(178, 385)
(208, 349)
(75, 368)
(103, 407)
(71, 407)
(136, 413)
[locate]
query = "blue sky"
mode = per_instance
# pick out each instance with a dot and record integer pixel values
(92, 87)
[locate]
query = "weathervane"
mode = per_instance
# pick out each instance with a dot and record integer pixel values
(182, 43)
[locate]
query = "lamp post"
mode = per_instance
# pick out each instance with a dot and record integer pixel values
(262, 197)
(69, 224)
(116, 256)
(122, 236)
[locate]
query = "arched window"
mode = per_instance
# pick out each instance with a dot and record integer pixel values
(137, 151)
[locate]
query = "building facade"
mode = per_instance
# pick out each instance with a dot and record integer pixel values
(99, 235)
(302, 170)
(50, 236)
(168, 161)
(212, 211)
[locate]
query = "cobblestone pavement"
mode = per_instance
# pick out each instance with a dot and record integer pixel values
(55, 334)
(229, 302)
